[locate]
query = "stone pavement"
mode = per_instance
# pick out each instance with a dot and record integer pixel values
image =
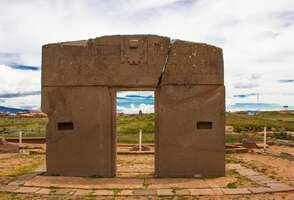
(32, 183)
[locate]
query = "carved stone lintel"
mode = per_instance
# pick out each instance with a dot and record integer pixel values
(134, 51)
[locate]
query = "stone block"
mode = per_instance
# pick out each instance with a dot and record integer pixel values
(257, 190)
(201, 192)
(103, 192)
(191, 129)
(8, 188)
(237, 191)
(16, 183)
(106, 61)
(192, 63)
(61, 191)
(44, 191)
(125, 193)
(165, 192)
(247, 172)
(145, 192)
(280, 187)
(217, 191)
(261, 179)
(6, 147)
(79, 132)
(27, 189)
(82, 192)
(183, 192)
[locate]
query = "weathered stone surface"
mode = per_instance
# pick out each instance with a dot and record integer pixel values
(103, 192)
(8, 188)
(27, 189)
(236, 191)
(6, 147)
(16, 183)
(79, 84)
(44, 191)
(233, 166)
(125, 193)
(85, 149)
(257, 190)
(196, 151)
(220, 181)
(85, 183)
(249, 144)
(183, 192)
(280, 187)
(247, 172)
(192, 63)
(81, 192)
(199, 192)
(64, 191)
(261, 179)
(131, 60)
(217, 191)
(3, 141)
(145, 192)
(165, 192)
(176, 183)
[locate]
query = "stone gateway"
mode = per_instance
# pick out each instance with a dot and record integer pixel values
(79, 84)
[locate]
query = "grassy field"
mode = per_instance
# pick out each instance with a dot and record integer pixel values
(281, 121)
(129, 125)
(132, 123)
(31, 127)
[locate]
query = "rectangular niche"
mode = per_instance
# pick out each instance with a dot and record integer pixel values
(204, 125)
(61, 126)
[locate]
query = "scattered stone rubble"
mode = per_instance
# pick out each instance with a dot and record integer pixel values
(6, 147)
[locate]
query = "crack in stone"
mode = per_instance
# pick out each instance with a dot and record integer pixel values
(165, 64)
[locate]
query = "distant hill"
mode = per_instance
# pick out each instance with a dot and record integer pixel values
(11, 110)
(279, 120)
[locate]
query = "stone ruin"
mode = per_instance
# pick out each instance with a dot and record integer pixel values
(79, 84)
(6, 147)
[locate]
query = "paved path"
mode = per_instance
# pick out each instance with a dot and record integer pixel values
(32, 183)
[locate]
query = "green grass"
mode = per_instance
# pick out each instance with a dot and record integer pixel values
(128, 126)
(133, 123)
(131, 138)
(22, 123)
(277, 120)
(22, 164)
(31, 127)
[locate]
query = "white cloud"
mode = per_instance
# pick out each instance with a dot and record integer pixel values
(31, 102)
(256, 37)
(145, 108)
(19, 81)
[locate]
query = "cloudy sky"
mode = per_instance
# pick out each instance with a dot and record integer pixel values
(256, 37)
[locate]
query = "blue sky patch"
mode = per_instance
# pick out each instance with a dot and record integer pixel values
(245, 95)
(286, 81)
(25, 67)
(19, 94)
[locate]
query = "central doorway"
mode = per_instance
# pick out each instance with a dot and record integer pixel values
(135, 133)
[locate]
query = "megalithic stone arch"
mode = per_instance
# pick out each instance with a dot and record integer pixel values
(79, 84)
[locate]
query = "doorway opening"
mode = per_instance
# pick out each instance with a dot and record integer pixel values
(135, 128)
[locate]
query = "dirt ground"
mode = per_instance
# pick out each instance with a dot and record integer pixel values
(135, 165)
(142, 166)
(13, 165)
(276, 167)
